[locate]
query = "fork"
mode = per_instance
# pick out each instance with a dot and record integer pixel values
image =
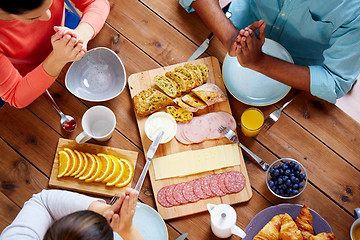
(114, 199)
(275, 115)
(231, 135)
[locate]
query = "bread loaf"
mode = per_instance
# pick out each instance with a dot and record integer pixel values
(180, 79)
(180, 114)
(210, 93)
(169, 86)
(149, 101)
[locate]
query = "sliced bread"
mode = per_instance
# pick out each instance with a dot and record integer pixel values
(185, 106)
(192, 100)
(191, 76)
(197, 71)
(204, 71)
(169, 86)
(180, 114)
(180, 79)
(149, 101)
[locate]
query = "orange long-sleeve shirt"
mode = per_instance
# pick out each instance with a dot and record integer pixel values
(23, 48)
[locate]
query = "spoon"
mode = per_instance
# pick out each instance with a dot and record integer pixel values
(67, 122)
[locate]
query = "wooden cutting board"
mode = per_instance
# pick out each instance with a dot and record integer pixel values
(141, 81)
(92, 187)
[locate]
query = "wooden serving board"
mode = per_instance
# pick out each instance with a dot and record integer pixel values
(82, 186)
(141, 81)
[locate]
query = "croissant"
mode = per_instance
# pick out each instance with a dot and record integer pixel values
(289, 230)
(304, 223)
(271, 230)
(323, 236)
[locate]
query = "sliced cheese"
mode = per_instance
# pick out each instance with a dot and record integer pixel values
(197, 161)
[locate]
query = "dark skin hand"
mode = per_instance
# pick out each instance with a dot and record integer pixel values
(246, 46)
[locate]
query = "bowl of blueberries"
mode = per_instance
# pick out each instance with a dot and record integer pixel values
(286, 178)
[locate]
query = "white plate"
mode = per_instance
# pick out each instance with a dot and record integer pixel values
(251, 87)
(149, 223)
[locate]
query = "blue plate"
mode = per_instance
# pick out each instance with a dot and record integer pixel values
(263, 217)
(251, 87)
(149, 223)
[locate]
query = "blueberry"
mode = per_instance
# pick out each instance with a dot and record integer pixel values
(275, 167)
(296, 186)
(289, 190)
(283, 186)
(297, 173)
(281, 171)
(287, 172)
(292, 178)
(277, 191)
(288, 182)
(284, 167)
(276, 173)
(285, 178)
(297, 168)
(281, 191)
(287, 163)
(301, 185)
(271, 183)
(295, 192)
(302, 176)
(297, 180)
(287, 195)
(273, 188)
(271, 170)
(292, 164)
(292, 174)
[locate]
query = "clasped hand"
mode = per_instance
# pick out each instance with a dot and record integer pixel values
(247, 46)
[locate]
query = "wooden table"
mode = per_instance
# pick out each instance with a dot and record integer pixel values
(148, 34)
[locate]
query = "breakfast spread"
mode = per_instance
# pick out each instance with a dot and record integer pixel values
(201, 188)
(89, 167)
(282, 226)
(204, 127)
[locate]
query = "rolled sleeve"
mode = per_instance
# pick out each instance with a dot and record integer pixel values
(186, 4)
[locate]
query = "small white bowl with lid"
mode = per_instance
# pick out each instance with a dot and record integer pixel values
(160, 121)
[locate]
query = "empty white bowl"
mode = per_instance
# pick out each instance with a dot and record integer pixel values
(98, 76)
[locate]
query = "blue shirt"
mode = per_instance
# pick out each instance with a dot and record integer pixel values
(324, 35)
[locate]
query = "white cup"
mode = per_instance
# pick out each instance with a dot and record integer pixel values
(98, 122)
(355, 227)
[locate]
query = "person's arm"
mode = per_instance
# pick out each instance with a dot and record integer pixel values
(19, 91)
(42, 210)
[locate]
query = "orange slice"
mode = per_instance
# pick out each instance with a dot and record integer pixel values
(75, 162)
(115, 172)
(80, 165)
(116, 178)
(86, 164)
(127, 175)
(64, 163)
(97, 172)
(91, 167)
(107, 165)
(71, 162)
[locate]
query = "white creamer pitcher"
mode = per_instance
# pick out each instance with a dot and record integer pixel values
(223, 219)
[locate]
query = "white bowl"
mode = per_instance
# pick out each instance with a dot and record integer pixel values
(161, 121)
(98, 76)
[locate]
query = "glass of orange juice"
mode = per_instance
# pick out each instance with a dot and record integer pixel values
(252, 120)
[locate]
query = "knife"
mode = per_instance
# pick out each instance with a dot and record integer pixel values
(182, 237)
(202, 48)
(149, 155)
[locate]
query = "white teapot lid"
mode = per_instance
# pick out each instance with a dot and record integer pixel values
(223, 216)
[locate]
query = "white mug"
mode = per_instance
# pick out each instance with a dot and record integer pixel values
(355, 227)
(98, 122)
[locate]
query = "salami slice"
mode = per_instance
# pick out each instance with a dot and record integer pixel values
(206, 186)
(198, 189)
(161, 197)
(197, 129)
(221, 182)
(234, 181)
(170, 196)
(214, 185)
(178, 193)
(188, 192)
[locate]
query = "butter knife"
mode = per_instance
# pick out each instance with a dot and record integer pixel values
(149, 155)
(202, 48)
